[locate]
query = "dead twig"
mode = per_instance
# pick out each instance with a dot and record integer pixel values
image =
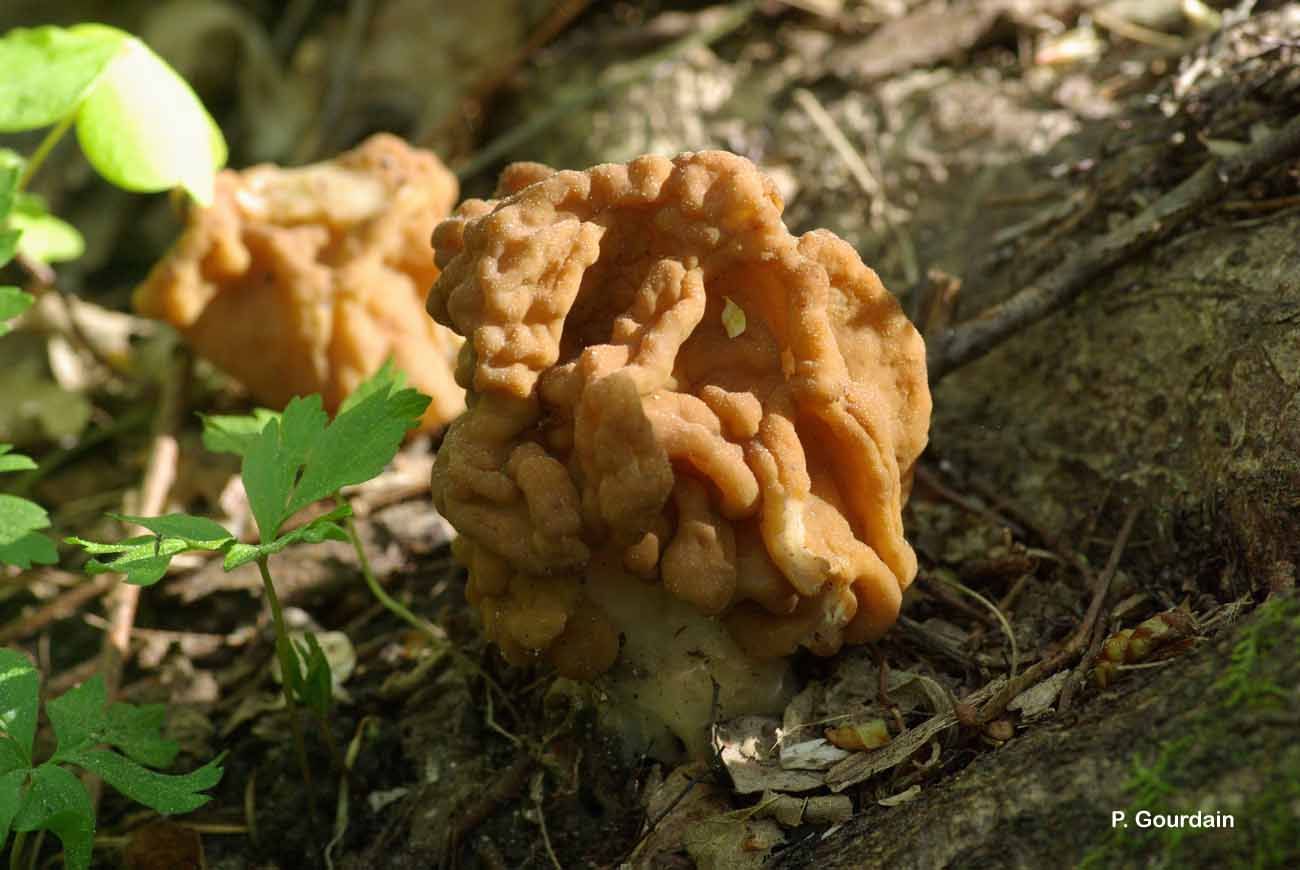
(62, 607)
(1078, 642)
(971, 339)
(159, 475)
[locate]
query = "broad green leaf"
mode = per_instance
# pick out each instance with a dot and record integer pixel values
(234, 433)
(143, 128)
(323, 528)
(137, 731)
(14, 461)
(44, 237)
(11, 798)
(12, 303)
(358, 444)
(31, 549)
(18, 517)
(9, 240)
(78, 716)
(58, 802)
(48, 70)
(166, 793)
(19, 696)
(198, 533)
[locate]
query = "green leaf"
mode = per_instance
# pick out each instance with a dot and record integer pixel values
(12, 303)
(198, 533)
(11, 798)
(323, 528)
(359, 443)
(166, 793)
(143, 128)
(272, 462)
(137, 731)
(388, 378)
(19, 696)
(78, 716)
(44, 237)
(58, 802)
(14, 461)
(31, 549)
(11, 171)
(144, 560)
(18, 517)
(48, 70)
(234, 433)
(315, 689)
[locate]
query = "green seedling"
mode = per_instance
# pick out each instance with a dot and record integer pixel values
(290, 460)
(117, 742)
(21, 521)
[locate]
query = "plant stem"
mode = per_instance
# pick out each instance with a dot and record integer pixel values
(16, 851)
(284, 651)
(436, 637)
(43, 150)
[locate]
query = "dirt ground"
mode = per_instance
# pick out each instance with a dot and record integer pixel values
(1128, 457)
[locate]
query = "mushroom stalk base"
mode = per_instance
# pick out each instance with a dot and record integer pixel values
(660, 693)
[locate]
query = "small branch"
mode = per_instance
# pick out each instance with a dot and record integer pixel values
(971, 339)
(1078, 641)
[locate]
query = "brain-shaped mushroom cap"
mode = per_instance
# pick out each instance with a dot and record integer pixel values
(756, 467)
(305, 280)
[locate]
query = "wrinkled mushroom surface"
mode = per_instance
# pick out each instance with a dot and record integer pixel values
(615, 434)
(305, 280)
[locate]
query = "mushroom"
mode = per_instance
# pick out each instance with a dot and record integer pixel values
(305, 280)
(636, 464)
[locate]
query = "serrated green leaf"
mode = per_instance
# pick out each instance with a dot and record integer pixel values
(31, 549)
(11, 798)
(78, 716)
(144, 560)
(234, 433)
(12, 303)
(19, 517)
(19, 696)
(323, 528)
(166, 793)
(45, 237)
(143, 128)
(58, 802)
(198, 533)
(273, 459)
(137, 732)
(48, 70)
(358, 444)
(388, 378)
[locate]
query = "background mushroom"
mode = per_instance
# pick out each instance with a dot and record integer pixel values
(297, 281)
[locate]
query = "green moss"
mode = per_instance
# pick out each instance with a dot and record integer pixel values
(1267, 822)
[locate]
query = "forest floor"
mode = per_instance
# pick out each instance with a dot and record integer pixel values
(1127, 461)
